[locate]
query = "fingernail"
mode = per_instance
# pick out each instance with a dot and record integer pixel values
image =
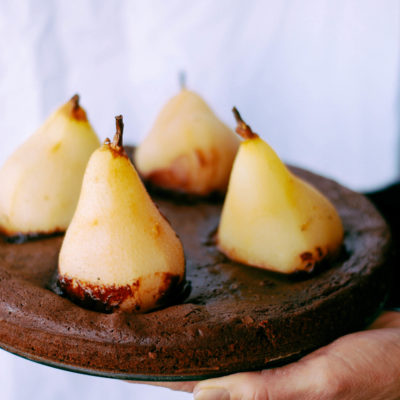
(212, 394)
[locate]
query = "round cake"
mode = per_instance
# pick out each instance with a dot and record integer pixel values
(229, 317)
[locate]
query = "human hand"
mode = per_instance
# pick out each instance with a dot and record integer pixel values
(363, 365)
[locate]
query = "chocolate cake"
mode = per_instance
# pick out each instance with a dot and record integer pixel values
(231, 318)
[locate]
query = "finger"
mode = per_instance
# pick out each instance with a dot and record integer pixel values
(177, 386)
(388, 319)
(294, 381)
(358, 366)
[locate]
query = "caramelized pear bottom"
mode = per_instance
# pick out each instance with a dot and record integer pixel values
(234, 318)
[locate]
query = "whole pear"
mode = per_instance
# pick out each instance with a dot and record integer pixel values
(188, 148)
(272, 219)
(119, 252)
(40, 182)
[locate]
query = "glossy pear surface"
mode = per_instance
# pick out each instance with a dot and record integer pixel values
(119, 249)
(271, 219)
(188, 149)
(40, 182)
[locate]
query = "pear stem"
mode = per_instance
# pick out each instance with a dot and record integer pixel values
(117, 141)
(75, 102)
(182, 80)
(242, 128)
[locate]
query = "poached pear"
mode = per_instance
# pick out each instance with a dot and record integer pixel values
(272, 219)
(188, 149)
(40, 182)
(119, 252)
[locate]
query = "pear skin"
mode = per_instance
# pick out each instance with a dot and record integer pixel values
(40, 182)
(119, 252)
(271, 219)
(188, 149)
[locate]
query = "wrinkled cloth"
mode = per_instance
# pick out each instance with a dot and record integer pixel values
(317, 79)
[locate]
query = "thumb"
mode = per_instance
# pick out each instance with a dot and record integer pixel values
(357, 366)
(286, 383)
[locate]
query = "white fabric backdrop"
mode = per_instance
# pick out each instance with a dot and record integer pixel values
(318, 79)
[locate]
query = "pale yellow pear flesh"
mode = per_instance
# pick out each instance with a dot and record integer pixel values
(188, 148)
(271, 219)
(118, 242)
(40, 182)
